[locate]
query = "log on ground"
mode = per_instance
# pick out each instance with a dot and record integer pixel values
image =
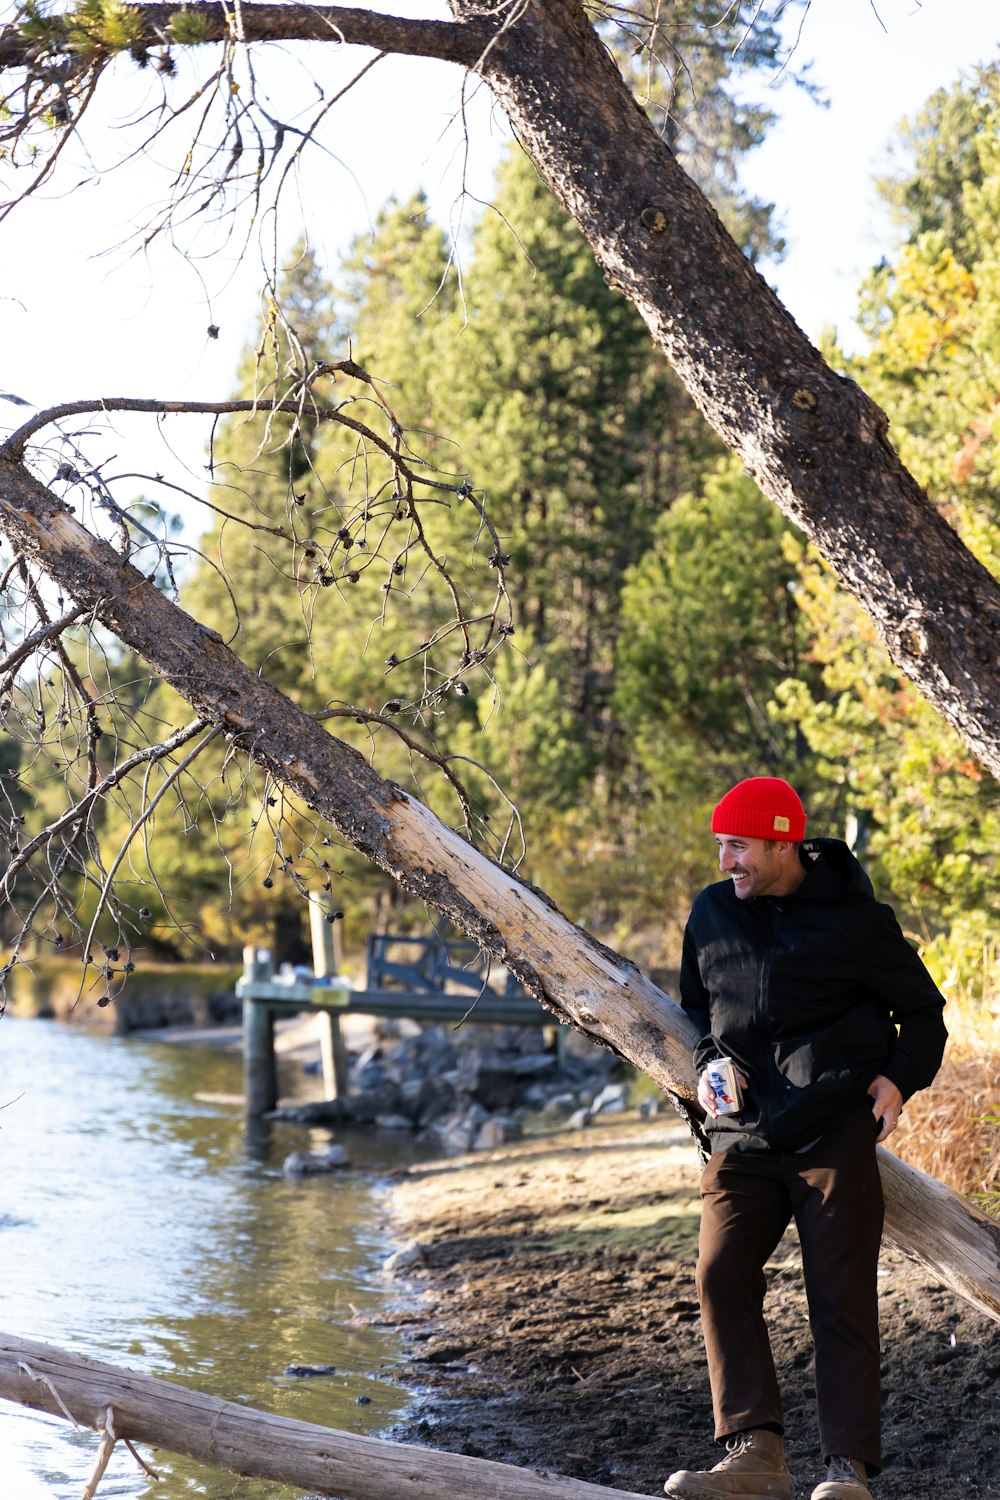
(249, 1442)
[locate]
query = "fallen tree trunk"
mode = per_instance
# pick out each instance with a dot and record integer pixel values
(580, 980)
(251, 1442)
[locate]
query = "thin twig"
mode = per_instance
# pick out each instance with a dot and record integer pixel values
(178, 771)
(104, 1452)
(44, 1380)
(38, 638)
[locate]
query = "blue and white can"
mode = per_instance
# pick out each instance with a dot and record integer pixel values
(725, 1085)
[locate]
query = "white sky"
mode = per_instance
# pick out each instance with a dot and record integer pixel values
(73, 324)
(818, 165)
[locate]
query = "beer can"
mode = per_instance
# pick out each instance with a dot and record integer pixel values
(723, 1082)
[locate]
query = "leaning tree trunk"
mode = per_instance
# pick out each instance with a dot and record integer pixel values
(580, 980)
(138, 1408)
(815, 443)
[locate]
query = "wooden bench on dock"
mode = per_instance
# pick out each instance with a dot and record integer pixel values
(423, 978)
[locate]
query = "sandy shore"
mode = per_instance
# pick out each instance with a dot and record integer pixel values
(554, 1323)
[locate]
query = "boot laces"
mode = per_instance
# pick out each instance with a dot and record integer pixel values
(842, 1471)
(735, 1446)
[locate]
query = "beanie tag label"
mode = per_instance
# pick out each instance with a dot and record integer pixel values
(781, 825)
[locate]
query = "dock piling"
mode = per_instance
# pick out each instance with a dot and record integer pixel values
(260, 1069)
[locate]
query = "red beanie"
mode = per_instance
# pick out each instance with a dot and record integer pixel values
(763, 807)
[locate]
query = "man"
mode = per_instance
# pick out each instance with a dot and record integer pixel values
(794, 970)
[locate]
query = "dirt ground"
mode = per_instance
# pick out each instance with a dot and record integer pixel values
(554, 1323)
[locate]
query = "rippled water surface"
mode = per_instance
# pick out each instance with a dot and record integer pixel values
(141, 1226)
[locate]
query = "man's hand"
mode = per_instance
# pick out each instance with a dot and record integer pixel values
(706, 1094)
(887, 1104)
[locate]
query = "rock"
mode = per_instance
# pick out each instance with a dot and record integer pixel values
(370, 1075)
(320, 1112)
(309, 1163)
(456, 1131)
(532, 1064)
(612, 1099)
(404, 1259)
(393, 1122)
(558, 1104)
(580, 1120)
(496, 1132)
(368, 1104)
(426, 1099)
(483, 1076)
(648, 1108)
(306, 1372)
(497, 1079)
(579, 1049)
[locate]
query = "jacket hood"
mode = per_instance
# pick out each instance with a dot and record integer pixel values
(832, 873)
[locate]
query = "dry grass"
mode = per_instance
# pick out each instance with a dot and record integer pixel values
(952, 1130)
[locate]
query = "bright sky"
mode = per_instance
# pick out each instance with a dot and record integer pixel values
(818, 165)
(77, 324)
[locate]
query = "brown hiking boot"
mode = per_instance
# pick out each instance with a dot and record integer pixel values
(846, 1479)
(753, 1469)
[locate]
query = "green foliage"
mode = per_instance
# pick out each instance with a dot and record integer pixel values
(102, 26)
(944, 155)
(576, 431)
(710, 630)
(931, 812)
(87, 28)
(188, 27)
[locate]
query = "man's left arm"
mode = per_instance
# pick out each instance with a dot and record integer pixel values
(896, 974)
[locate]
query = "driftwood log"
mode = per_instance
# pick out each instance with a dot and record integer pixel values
(249, 1442)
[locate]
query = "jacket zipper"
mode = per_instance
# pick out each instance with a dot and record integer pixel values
(760, 1016)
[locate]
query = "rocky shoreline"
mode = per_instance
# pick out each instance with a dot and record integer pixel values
(470, 1091)
(552, 1322)
(545, 1286)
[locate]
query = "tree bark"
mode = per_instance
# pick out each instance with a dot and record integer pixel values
(815, 443)
(450, 41)
(251, 1442)
(579, 979)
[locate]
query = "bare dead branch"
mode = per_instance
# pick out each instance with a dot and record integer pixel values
(15, 445)
(149, 808)
(451, 41)
(83, 808)
(40, 637)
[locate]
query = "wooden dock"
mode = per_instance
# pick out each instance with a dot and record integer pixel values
(422, 978)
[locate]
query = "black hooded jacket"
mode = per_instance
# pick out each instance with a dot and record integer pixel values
(813, 995)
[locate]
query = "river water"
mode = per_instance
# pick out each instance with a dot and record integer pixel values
(142, 1227)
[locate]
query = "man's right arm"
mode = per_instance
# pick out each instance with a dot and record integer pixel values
(696, 1004)
(694, 995)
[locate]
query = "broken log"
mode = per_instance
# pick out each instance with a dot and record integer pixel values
(250, 1442)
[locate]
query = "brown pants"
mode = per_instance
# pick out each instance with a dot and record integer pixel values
(834, 1194)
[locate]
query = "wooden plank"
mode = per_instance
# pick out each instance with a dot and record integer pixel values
(251, 1442)
(497, 1010)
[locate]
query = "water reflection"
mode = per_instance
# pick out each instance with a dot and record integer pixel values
(140, 1226)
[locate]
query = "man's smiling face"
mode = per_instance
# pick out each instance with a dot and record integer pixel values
(759, 867)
